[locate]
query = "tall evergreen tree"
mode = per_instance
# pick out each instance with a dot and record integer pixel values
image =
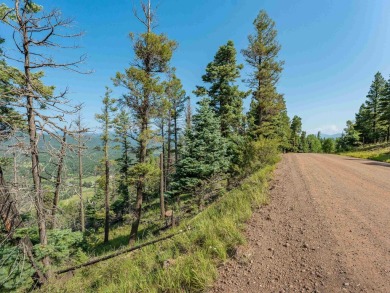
(374, 97)
(225, 97)
(122, 127)
(152, 55)
(203, 154)
(106, 119)
(363, 124)
(267, 104)
(176, 96)
(384, 107)
(296, 129)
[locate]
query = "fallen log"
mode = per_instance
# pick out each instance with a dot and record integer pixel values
(120, 252)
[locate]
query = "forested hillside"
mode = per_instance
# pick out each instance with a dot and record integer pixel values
(156, 164)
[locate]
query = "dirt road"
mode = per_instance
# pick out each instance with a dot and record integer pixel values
(326, 229)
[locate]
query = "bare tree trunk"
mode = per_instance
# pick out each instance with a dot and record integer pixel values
(35, 168)
(107, 203)
(12, 220)
(163, 150)
(162, 204)
(58, 181)
(15, 171)
(82, 216)
(169, 151)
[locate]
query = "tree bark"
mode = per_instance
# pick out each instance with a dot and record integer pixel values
(82, 216)
(58, 181)
(107, 186)
(169, 152)
(162, 203)
(35, 168)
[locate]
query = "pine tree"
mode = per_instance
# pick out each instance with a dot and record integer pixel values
(203, 154)
(225, 97)
(122, 127)
(106, 121)
(152, 55)
(384, 108)
(363, 124)
(262, 55)
(374, 97)
(177, 98)
(303, 143)
(296, 129)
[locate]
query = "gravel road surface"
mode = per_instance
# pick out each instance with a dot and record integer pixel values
(326, 229)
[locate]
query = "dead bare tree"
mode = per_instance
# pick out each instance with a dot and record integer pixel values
(60, 166)
(80, 149)
(34, 33)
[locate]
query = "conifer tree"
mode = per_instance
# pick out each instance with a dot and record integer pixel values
(363, 124)
(203, 154)
(144, 91)
(384, 107)
(106, 120)
(176, 96)
(296, 129)
(267, 106)
(122, 127)
(374, 97)
(225, 97)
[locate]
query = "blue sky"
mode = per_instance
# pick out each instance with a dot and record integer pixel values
(331, 48)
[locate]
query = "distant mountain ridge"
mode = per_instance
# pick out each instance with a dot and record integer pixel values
(336, 135)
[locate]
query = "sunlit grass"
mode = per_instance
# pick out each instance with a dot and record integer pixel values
(378, 152)
(186, 263)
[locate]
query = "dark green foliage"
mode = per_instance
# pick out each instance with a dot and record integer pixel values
(384, 108)
(328, 145)
(203, 154)
(363, 124)
(64, 246)
(314, 144)
(374, 97)
(122, 126)
(349, 139)
(264, 117)
(225, 97)
(303, 146)
(296, 129)
(15, 270)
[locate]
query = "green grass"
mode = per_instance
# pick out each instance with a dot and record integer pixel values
(193, 256)
(378, 152)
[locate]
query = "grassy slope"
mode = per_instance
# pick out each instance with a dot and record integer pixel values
(190, 258)
(379, 152)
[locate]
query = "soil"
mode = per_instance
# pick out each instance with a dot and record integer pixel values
(326, 229)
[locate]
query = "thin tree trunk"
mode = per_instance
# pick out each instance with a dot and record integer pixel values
(169, 152)
(162, 204)
(58, 181)
(15, 171)
(35, 169)
(107, 203)
(163, 151)
(82, 216)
